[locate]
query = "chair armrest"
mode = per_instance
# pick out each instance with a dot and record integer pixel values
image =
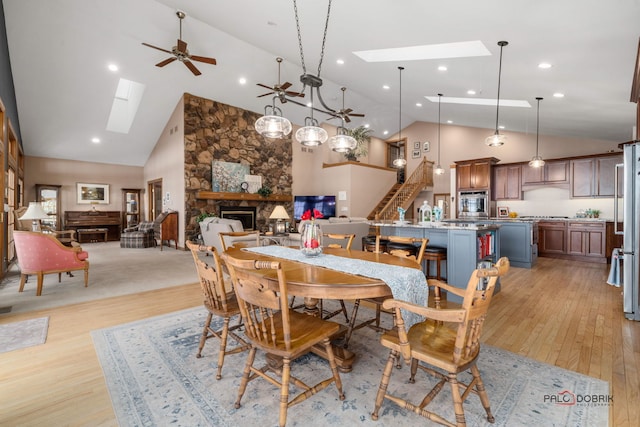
(457, 291)
(442, 314)
(130, 229)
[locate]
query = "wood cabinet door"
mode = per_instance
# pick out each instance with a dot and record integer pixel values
(500, 182)
(582, 178)
(507, 182)
(481, 175)
(552, 238)
(605, 176)
(531, 175)
(575, 245)
(463, 176)
(557, 172)
(595, 243)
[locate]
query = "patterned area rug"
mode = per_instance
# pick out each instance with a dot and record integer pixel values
(27, 333)
(154, 378)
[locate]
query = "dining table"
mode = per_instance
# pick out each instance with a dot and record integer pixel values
(340, 274)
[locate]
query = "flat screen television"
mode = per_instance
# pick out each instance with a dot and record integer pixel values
(325, 204)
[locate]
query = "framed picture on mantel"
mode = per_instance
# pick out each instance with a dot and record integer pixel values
(92, 193)
(503, 212)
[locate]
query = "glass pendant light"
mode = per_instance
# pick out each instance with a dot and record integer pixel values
(272, 124)
(342, 142)
(311, 135)
(439, 170)
(496, 139)
(400, 161)
(537, 161)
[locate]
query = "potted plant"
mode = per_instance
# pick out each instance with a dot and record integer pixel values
(265, 191)
(204, 215)
(362, 135)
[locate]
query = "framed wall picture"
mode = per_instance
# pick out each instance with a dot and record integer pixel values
(503, 212)
(416, 145)
(92, 193)
(415, 154)
(426, 146)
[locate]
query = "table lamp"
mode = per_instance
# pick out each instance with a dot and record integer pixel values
(35, 213)
(279, 214)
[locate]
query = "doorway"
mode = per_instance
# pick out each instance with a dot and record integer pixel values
(154, 190)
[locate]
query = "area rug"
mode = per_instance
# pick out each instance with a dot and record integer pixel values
(154, 378)
(26, 333)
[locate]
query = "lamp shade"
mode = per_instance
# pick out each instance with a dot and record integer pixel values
(279, 213)
(273, 126)
(34, 211)
(311, 136)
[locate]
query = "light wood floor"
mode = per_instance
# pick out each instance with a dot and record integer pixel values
(560, 312)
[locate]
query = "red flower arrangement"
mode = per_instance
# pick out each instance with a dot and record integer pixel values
(308, 215)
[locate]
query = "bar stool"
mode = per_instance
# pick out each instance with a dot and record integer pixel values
(411, 250)
(437, 254)
(369, 244)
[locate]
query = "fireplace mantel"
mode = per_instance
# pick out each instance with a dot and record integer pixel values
(213, 195)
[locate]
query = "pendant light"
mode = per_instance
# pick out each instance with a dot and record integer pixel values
(272, 124)
(342, 142)
(439, 170)
(537, 161)
(496, 140)
(400, 162)
(311, 135)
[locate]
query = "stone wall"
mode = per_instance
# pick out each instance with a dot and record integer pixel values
(216, 131)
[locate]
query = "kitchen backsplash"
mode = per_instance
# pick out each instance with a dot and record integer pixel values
(550, 201)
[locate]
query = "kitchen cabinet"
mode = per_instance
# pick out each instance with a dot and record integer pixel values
(587, 239)
(507, 182)
(553, 172)
(474, 174)
(594, 176)
(552, 238)
(518, 242)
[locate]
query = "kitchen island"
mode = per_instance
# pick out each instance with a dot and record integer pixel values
(468, 246)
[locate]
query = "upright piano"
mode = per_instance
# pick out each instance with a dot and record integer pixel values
(111, 220)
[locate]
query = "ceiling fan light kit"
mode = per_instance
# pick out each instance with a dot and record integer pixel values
(181, 53)
(496, 140)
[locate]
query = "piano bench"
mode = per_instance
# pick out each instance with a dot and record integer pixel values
(92, 234)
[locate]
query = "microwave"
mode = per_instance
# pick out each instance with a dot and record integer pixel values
(474, 204)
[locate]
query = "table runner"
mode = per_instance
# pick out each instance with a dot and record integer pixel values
(407, 284)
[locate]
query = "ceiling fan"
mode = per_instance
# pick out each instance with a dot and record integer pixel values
(280, 90)
(344, 114)
(181, 53)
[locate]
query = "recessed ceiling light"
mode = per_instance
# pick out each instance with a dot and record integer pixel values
(481, 101)
(544, 65)
(386, 132)
(340, 61)
(418, 104)
(442, 68)
(471, 92)
(309, 104)
(386, 87)
(242, 81)
(449, 121)
(558, 95)
(501, 127)
(433, 51)
(366, 125)
(95, 140)
(113, 67)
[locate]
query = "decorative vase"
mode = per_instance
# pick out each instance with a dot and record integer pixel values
(311, 239)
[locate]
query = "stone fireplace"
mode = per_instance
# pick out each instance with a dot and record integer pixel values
(244, 214)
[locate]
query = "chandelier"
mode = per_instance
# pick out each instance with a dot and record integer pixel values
(496, 140)
(310, 134)
(537, 161)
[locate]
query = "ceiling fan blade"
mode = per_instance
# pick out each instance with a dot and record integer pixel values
(265, 86)
(347, 111)
(294, 94)
(356, 115)
(285, 86)
(166, 61)
(182, 46)
(211, 61)
(347, 119)
(265, 94)
(156, 47)
(192, 67)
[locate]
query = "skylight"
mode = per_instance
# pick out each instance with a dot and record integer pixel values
(125, 105)
(481, 101)
(432, 51)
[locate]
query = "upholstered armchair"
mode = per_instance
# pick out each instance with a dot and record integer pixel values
(142, 235)
(42, 254)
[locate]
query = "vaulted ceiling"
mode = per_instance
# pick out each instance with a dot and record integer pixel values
(60, 50)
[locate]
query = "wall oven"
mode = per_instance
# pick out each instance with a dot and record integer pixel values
(474, 204)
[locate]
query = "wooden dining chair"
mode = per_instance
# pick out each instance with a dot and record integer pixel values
(245, 238)
(411, 251)
(451, 344)
(219, 302)
(279, 331)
